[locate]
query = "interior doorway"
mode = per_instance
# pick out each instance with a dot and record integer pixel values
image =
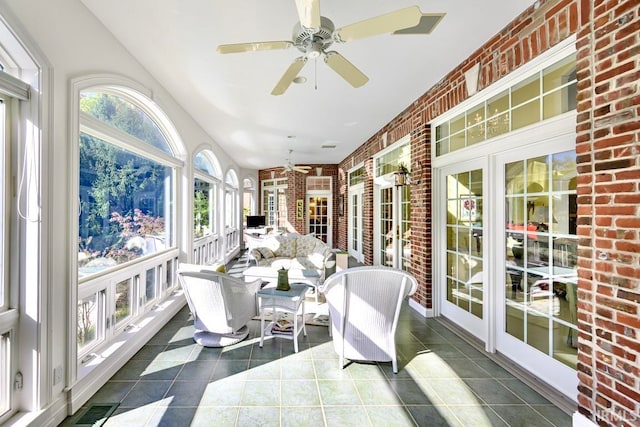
(320, 208)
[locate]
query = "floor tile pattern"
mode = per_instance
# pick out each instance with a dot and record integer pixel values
(443, 381)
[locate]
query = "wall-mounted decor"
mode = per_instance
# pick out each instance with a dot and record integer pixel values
(341, 205)
(300, 209)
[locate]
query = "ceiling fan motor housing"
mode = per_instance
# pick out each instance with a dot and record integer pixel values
(312, 42)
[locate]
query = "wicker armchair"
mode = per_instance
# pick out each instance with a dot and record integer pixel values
(364, 305)
(221, 305)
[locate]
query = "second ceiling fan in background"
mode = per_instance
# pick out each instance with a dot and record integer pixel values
(314, 34)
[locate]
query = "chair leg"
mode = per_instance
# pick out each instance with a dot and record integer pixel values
(394, 359)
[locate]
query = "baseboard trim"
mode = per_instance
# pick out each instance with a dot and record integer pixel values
(423, 311)
(580, 420)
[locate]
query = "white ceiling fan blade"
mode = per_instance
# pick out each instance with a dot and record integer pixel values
(387, 23)
(346, 69)
(427, 23)
(289, 75)
(301, 169)
(309, 13)
(254, 46)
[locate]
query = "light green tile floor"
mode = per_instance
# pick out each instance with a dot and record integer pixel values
(180, 384)
(443, 381)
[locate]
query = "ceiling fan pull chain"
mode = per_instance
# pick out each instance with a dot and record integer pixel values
(315, 73)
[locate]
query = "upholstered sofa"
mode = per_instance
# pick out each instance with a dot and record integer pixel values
(294, 251)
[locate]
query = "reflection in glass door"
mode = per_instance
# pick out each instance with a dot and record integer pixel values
(460, 246)
(274, 202)
(355, 223)
(387, 253)
(465, 278)
(394, 225)
(320, 217)
(540, 254)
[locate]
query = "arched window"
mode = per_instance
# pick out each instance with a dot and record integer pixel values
(127, 172)
(231, 215)
(207, 244)
(126, 183)
(248, 199)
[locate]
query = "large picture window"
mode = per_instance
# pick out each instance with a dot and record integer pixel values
(124, 196)
(126, 257)
(207, 244)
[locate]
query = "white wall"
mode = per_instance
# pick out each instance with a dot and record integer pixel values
(69, 42)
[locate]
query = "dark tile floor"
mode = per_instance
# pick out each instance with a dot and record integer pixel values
(443, 381)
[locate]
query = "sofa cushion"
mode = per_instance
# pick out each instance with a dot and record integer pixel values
(286, 246)
(305, 245)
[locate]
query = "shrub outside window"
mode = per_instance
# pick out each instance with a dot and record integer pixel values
(124, 196)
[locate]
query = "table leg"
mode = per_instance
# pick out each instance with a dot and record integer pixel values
(261, 323)
(295, 332)
(315, 290)
(304, 327)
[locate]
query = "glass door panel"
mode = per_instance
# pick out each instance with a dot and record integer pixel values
(387, 253)
(355, 224)
(540, 261)
(320, 217)
(394, 225)
(464, 232)
(404, 235)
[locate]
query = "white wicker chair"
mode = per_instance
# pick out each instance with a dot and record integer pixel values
(221, 305)
(252, 242)
(364, 305)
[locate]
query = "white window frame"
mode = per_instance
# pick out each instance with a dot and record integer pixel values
(357, 190)
(208, 248)
(27, 83)
(385, 181)
(134, 331)
(539, 138)
(269, 197)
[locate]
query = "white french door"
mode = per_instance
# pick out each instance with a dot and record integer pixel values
(536, 260)
(462, 265)
(320, 211)
(505, 249)
(393, 225)
(356, 231)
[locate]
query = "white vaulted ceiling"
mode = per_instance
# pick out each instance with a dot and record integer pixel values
(230, 95)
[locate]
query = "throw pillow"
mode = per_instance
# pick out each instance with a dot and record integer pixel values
(266, 252)
(218, 267)
(287, 246)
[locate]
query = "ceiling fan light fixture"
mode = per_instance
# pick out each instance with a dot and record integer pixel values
(314, 50)
(300, 80)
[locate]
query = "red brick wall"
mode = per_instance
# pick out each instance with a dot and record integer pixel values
(296, 190)
(536, 30)
(608, 132)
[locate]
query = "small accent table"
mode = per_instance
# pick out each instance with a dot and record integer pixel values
(290, 301)
(269, 274)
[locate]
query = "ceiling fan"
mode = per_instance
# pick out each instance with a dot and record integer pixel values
(289, 166)
(314, 34)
